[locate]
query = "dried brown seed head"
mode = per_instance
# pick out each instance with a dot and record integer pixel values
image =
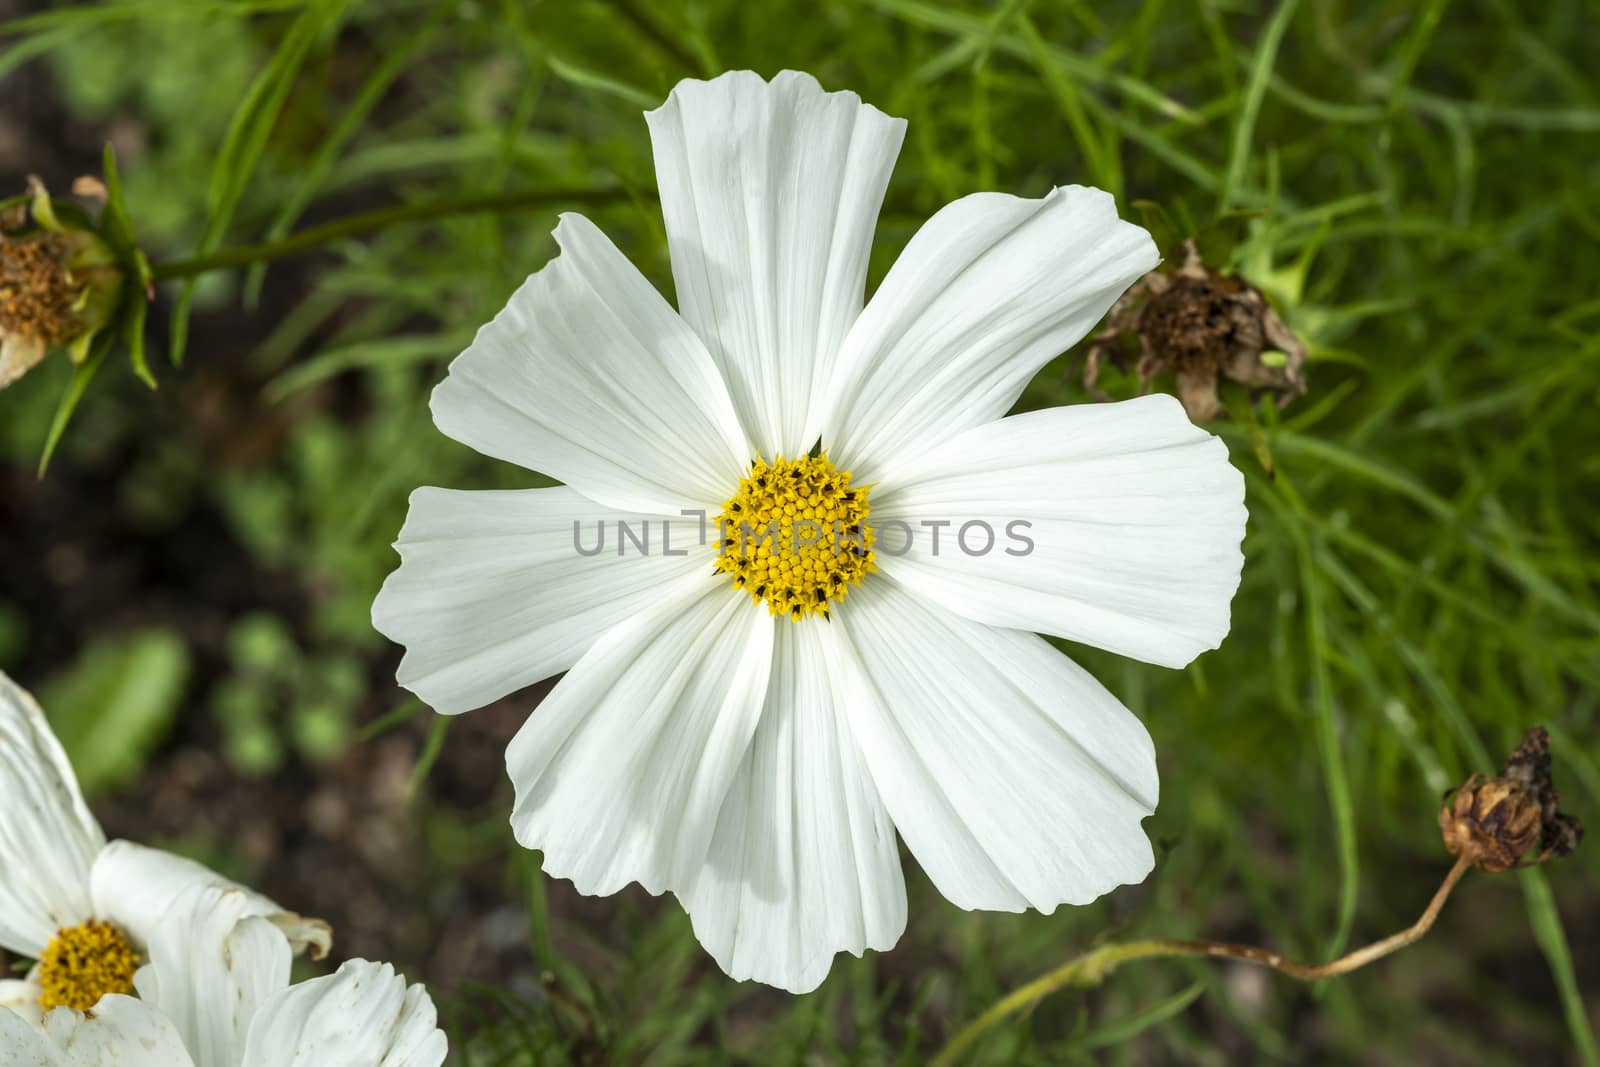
(1195, 322)
(1497, 822)
(1205, 327)
(37, 292)
(1494, 820)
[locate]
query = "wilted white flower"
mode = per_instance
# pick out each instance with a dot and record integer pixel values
(748, 724)
(216, 993)
(58, 286)
(83, 908)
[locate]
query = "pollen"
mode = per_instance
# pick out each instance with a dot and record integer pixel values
(84, 963)
(794, 535)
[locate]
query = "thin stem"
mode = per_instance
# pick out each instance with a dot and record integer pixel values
(1346, 963)
(367, 222)
(1092, 967)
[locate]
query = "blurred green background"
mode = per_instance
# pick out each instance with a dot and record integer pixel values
(188, 588)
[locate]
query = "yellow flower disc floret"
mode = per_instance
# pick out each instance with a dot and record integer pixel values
(795, 535)
(84, 963)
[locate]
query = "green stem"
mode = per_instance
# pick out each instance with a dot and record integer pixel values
(1091, 968)
(1085, 970)
(369, 221)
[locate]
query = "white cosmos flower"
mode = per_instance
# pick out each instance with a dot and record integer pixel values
(758, 765)
(83, 908)
(216, 993)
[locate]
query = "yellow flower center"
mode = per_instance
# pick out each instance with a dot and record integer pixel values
(794, 535)
(84, 963)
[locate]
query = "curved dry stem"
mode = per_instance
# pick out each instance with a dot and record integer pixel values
(1092, 967)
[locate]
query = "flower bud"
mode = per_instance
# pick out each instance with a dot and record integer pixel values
(59, 285)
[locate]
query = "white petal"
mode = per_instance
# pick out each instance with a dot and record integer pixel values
(771, 193)
(493, 593)
(361, 1016)
(134, 886)
(48, 839)
(18, 355)
(987, 292)
(621, 771)
(589, 376)
(23, 1043)
(123, 1032)
(804, 863)
(1014, 777)
(212, 966)
(1133, 513)
(22, 998)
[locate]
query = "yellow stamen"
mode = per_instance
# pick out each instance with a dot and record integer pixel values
(84, 963)
(794, 535)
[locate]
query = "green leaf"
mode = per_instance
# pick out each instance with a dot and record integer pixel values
(582, 77)
(85, 16)
(382, 352)
(1102, 166)
(1552, 937)
(246, 141)
(115, 225)
(1218, 238)
(133, 335)
(1266, 53)
(432, 749)
(315, 174)
(74, 393)
(39, 44)
(390, 719)
(1118, 1032)
(112, 707)
(1236, 400)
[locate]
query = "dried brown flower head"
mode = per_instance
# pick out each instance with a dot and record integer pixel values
(37, 291)
(1497, 822)
(1205, 327)
(58, 285)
